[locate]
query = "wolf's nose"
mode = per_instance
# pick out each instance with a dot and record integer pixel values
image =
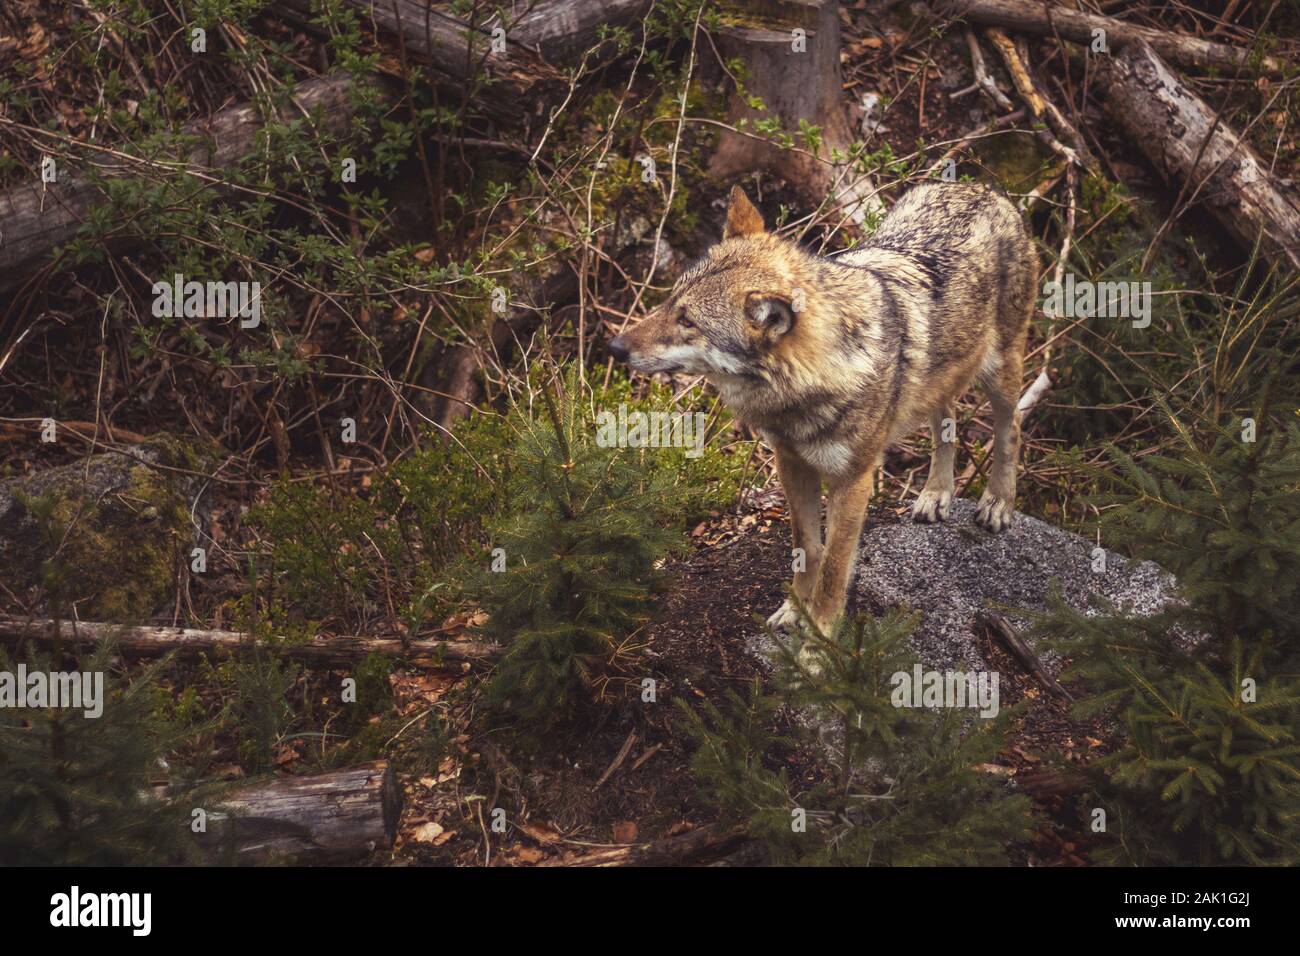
(618, 349)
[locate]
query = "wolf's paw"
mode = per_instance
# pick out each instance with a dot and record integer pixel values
(932, 506)
(994, 514)
(785, 619)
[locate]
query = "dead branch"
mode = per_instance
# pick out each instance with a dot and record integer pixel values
(1001, 628)
(983, 78)
(324, 651)
(684, 848)
(1042, 19)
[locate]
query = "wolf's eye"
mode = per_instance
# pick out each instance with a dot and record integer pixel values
(684, 322)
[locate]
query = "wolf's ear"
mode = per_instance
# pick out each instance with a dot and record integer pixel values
(742, 218)
(772, 314)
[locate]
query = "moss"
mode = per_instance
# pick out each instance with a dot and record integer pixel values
(1015, 160)
(106, 534)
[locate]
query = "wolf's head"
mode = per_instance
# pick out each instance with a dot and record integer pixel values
(728, 312)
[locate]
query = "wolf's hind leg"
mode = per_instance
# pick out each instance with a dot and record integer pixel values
(935, 499)
(998, 503)
(803, 493)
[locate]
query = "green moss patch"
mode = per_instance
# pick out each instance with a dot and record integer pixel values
(104, 535)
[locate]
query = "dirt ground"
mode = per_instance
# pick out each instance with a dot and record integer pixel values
(627, 781)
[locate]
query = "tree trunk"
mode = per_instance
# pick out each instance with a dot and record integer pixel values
(502, 80)
(1043, 19)
(329, 817)
(1186, 141)
(565, 29)
(790, 50)
(325, 651)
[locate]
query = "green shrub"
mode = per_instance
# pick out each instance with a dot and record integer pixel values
(76, 790)
(896, 786)
(1205, 693)
(586, 527)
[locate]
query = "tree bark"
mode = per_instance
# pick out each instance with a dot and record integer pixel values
(329, 817)
(797, 76)
(338, 651)
(1043, 19)
(1184, 139)
(565, 29)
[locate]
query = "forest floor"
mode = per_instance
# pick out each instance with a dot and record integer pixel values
(626, 779)
(629, 781)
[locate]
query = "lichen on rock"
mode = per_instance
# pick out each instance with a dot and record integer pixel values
(952, 571)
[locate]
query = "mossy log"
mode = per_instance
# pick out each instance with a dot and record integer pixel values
(325, 651)
(1188, 142)
(333, 817)
(1043, 19)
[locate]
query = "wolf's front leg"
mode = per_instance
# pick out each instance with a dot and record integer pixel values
(935, 500)
(848, 500)
(997, 505)
(803, 493)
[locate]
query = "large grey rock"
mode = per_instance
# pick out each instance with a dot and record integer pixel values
(949, 572)
(953, 570)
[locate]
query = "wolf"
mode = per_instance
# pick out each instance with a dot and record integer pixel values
(830, 359)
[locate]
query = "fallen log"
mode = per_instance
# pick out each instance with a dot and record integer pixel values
(1188, 143)
(324, 651)
(565, 29)
(333, 817)
(36, 217)
(502, 74)
(1043, 19)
